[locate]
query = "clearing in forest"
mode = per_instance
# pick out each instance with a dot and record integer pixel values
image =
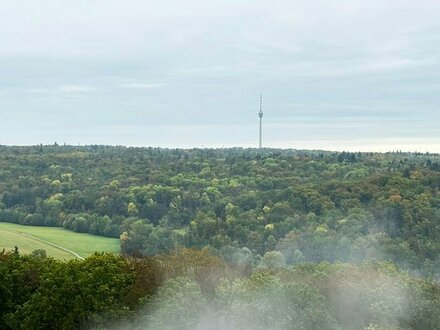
(58, 242)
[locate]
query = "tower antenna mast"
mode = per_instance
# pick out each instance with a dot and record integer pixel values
(260, 114)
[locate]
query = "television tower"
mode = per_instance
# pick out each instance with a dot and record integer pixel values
(260, 114)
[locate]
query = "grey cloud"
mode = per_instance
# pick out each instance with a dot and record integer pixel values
(95, 72)
(141, 85)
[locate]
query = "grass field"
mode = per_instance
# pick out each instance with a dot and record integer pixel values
(56, 241)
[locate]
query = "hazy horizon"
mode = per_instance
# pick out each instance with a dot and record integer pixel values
(351, 76)
(355, 146)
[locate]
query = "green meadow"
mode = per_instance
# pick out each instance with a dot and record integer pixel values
(58, 242)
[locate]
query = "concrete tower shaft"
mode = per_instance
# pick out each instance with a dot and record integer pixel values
(260, 114)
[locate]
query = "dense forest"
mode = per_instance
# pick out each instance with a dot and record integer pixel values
(260, 207)
(224, 239)
(191, 289)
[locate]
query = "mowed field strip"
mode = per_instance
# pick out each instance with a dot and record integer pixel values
(58, 242)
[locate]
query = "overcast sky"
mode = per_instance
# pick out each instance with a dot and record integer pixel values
(338, 75)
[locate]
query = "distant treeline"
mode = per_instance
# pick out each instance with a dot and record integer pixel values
(272, 206)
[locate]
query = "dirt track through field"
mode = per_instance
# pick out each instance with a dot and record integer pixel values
(52, 244)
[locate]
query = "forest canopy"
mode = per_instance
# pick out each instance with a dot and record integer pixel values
(191, 289)
(224, 239)
(253, 208)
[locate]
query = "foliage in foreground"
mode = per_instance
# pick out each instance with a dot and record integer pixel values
(191, 289)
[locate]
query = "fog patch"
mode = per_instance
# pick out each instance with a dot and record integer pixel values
(261, 302)
(324, 296)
